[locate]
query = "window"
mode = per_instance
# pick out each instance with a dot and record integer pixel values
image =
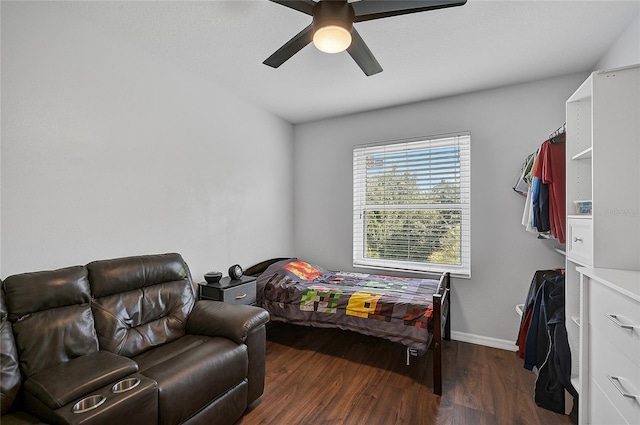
(411, 205)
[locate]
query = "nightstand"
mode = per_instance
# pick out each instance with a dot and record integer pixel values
(234, 291)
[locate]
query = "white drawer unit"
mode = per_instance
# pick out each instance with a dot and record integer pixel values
(618, 318)
(580, 240)
(611, 394)
(602, 277)
(617, 376)
(601, 411)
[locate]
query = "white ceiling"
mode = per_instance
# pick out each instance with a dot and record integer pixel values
(483, 44)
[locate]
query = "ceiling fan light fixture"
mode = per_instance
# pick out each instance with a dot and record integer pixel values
(332, 39)
(332, 23)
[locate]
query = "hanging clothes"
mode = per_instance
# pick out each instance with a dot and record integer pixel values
(527, 214)
(540, 195)
(524, 179)
(535, 349)
(546, 347)
(545, 174)
(538, 278)
(554, 374)
(553, 173)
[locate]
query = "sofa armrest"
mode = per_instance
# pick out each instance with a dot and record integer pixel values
(233, 321)
(65, 382)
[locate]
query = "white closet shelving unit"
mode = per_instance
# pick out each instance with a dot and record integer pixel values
(603, 165)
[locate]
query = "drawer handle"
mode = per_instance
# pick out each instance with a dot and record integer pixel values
(615, 380)
(614, 319)
(575, 239)
(239, 297)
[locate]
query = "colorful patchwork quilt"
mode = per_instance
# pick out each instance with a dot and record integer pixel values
(395, 308)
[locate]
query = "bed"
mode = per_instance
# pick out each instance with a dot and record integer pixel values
(413, 312)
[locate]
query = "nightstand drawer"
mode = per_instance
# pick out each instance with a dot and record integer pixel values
(241, 294)
(580, 240)
(244, 293)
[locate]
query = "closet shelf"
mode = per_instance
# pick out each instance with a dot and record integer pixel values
(585, 154)
(561, 251)
(583, 216)
(580, 263)
(575, 381)
(576, 320)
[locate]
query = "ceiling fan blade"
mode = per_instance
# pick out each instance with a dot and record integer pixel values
(376, 9)
(290, 48)
(304, 6)
(362, 55)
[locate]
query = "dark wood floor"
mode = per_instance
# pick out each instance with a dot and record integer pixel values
(328, 376)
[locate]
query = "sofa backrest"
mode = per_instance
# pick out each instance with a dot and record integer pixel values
(50, 312)
(9, 369)
(140, 302)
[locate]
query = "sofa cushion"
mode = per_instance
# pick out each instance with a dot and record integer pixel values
(158, 355)
(9, 370)
(119, 275)
(140, 302)
(192, 372)
(65, 382)
(38, 291)
(51, 317)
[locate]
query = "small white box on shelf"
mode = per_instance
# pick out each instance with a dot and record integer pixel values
(583, 207)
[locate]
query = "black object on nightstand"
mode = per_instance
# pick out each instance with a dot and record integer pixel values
(234, 291)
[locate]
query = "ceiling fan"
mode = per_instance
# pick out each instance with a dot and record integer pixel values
(332, 29)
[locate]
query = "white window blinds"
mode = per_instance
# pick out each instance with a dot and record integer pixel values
(412, 205)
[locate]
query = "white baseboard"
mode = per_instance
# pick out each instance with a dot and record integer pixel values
(502, 344)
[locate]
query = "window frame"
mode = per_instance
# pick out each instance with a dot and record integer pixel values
(462, 140)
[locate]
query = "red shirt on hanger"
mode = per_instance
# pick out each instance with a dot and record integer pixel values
(553, 157)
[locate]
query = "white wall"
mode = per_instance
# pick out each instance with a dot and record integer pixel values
(625, 50)
(506, 125)
(107, 151)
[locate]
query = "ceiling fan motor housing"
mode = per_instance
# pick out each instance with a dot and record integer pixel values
(330, 12)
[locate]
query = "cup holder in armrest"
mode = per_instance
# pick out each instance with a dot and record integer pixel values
(88, 403)
(125, 385)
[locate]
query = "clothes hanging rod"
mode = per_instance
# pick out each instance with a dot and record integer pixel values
(555, 136)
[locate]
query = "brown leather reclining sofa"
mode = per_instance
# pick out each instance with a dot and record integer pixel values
(129, 336)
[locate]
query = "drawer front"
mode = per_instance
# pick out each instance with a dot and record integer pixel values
(601, 411)
(617, 318)
(580, 240)
(616, 375)
(210, 293)
(241, 294)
